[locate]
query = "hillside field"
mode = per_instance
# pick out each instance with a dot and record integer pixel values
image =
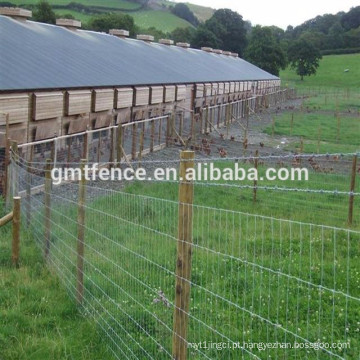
(330, 73)
(158, 16)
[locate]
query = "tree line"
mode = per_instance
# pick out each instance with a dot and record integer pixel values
(269, 47)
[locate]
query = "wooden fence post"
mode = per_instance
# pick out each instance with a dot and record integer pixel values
(256, 160)
(134, 138)
(48, 185)
(7, 162)
(16, 232)
(183, 261)
(15, 179)
(292, 123)
(352, 189)
(81, 234)
(85, 154)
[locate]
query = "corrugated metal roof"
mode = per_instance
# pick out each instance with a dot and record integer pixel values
(42, 56)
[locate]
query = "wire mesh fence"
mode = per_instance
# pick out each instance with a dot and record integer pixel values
(218, 275)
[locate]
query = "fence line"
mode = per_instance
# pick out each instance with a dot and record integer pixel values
(253, 278)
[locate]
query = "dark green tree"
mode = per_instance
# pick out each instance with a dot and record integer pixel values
(230, 28)
(183, 34)
(304, 58)
(105, 22)
(183, 11)
(205, 37)
(44, 13)
(351, 20)
(264, 51)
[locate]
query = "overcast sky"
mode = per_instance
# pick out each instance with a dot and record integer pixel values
(279, 12)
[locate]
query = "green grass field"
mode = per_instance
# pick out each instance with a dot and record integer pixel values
(335, 134)
(38, 320)
(330, 74)
(130, 256)
(161, 20)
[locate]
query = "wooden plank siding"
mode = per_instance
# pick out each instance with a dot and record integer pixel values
(17, 106)
(48, 105)
(200, 89)
(169, 94)
(103, 100)
(221, 89)
(78, 125)
(180, 92)
(124, 98)
(207, 90)
(77, 102)
(157, 95)
(142, 96)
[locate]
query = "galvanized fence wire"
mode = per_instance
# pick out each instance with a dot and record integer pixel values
(254, 279)
(327, 190)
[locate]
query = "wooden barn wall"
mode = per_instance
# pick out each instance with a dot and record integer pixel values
(78, 102)
(124, 98)
(17, 106)
(41, 115)
(103, 100)
(169, 94)
(48, 105)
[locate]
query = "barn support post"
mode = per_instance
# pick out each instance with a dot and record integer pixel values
(152, 137)
(81, 234)
(141, 149)
(111, 155)
(119, 144)
(47, 203)
(181, 127)
(133, 143)
(227, 120)
(352, 189)
(16, 221)
(206, 119)
(183, 262)
(85, 154)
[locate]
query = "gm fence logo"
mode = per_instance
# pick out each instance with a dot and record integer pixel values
(200, 172)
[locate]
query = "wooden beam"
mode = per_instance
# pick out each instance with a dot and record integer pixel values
(6, 219)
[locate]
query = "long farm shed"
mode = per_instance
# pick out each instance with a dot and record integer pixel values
(58, 79)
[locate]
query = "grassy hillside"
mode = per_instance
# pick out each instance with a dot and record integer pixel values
(115, 4)
(161, 20)
(201, 12)
(330, 73)
(158, 15)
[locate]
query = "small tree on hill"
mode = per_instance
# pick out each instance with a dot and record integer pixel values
(44, 13)
(304, 58)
